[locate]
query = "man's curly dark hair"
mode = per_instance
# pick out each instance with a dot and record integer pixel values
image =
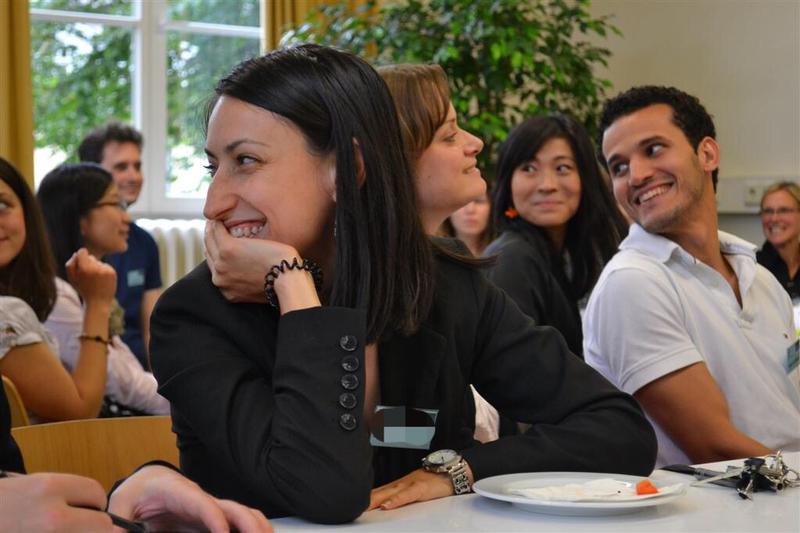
(687, 113)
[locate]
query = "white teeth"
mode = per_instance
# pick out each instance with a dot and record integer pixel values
(246, 232)
(653, 193)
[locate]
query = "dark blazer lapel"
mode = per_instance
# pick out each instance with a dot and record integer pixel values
(410, 369)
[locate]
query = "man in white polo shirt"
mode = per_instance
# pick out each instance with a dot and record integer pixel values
(683, 317)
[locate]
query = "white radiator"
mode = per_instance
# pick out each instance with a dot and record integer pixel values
(180, 245)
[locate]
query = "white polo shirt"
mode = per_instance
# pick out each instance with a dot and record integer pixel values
(656, 309)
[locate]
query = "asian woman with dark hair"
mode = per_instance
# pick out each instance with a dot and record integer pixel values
(83, 210)
(559, 222)
(29, 355)
(324, 315)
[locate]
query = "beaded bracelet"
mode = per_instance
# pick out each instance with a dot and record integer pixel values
(95, 338)
(269, 280)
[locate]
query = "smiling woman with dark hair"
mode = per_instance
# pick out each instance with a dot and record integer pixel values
(322, 304)
(29, 355)
(559, 221)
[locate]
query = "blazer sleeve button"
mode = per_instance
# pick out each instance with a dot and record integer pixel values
(349, 382)
(348, 422)
(348, 343)
(350, 363)
(348, 400)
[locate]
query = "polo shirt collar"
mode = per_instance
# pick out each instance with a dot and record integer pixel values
(663, 249)
(650, 244)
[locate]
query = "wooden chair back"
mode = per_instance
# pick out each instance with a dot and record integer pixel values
(106, 449)
(19, 415)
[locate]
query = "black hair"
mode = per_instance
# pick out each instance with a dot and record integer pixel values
(30, 276)
(66, 194)
(384, 262)
(595, 231)
(688, 114)
(91, 147)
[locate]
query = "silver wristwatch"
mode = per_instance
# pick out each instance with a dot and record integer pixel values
(449, 462)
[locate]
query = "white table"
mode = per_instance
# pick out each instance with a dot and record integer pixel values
(704, 509)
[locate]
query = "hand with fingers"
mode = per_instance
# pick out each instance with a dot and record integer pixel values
(94, 280)
(52, 502)
(418, 486)
(238, 267)
(167, 501)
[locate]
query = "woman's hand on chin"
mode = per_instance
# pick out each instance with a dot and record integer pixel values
(238, 267)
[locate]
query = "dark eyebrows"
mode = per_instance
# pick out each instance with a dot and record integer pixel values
(564, 157)
(641, 144)
(235, 144)
(651, 140)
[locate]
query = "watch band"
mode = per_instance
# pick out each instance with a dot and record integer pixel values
(458, 475)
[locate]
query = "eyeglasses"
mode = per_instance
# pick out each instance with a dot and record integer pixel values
(122, 205)
(780, 211)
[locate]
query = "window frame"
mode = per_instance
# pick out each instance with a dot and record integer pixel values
(149, 25)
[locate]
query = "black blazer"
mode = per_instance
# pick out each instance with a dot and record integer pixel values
(525, 270)
(769, 257)
(258, 409)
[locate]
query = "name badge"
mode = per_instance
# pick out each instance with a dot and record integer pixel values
(403, 427)
(136, 277)
(792, 363)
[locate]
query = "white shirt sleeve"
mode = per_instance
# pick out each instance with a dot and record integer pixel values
(65, 323)
(19, 325)
(127, 382)
(130, 384)
(634, 330)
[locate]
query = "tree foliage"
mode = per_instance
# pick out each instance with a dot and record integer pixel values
(506, 59)
(83, 73)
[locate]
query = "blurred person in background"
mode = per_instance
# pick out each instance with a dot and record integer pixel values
(85, 213)
(472, 225)
(117, 148)
(780, 219)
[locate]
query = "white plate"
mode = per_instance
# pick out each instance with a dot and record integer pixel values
(496, 488)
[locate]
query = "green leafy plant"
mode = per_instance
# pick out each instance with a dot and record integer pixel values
(82, 73)
(506, 59)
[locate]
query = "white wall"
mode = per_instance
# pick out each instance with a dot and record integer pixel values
(740, 57)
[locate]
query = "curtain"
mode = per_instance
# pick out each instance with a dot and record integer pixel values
(278, 15)
(16, 101)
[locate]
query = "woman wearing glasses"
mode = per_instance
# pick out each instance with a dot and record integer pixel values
(86, 217)
(780, 219)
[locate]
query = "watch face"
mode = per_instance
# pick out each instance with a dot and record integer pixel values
(441, 457)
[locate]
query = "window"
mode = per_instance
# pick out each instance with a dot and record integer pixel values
(153, 63)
